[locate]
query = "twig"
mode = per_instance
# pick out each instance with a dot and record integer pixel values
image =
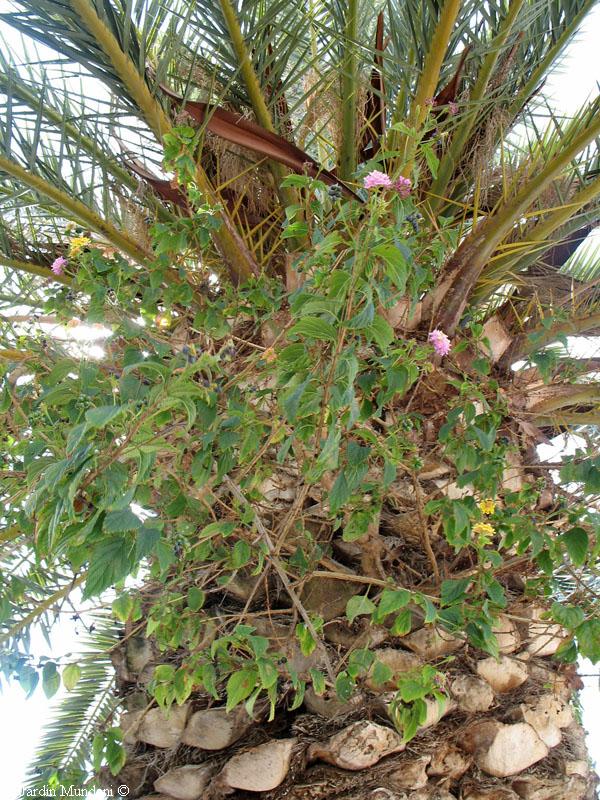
(237, 493)
(424, 532)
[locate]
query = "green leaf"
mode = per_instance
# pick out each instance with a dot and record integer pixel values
(428, 607)
(451, 591)
(396, 266)
(305, 637)
(29, 679)
(402, 623)
(486, 438)
(115, 752)
(358, 605)
(111, 561)
(97, 751)
(267, 672)
(70, 676)
(568, 616)
(122, 607)
(117, 521)
(164, 673)
(357, 525)
(344, 686)
(381, 674)
(101, 416)
(339, 494)
(164, 553)
(391, 600)
(577, 543)
(588, 638)
(195, 598)
(381, 331)
(146, 541)
(363, 319)
(412, 689)
(50, 679)
(359, 662)
(241, 554)
(240, 685)
(314, 328)
(217, 529)
(318, 681)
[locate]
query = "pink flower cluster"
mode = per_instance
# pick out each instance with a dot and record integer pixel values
(441, 343)
(375, 179)
(58, 265)
(403, 186)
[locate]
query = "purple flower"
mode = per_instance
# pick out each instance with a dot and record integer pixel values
(58, 264)
(403, 186)
(375, 178)
(453, 108)
(441, 343)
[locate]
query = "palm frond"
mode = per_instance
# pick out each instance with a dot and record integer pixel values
(63, 755)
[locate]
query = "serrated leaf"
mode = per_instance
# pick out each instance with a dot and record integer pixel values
(451, 591)
(118, 521)
(240, 685)
(217, 529)
(241, 554)
(402, 623)
(391, 600)
(122, 607)
(314, 328)
(380, 674)
(339, 494)
(70, 676)
(100, 417)
(568, 616)
(381, 331)
(577, 543)
(344, 686)
(111, 561)
(195, 598)
(267, 672)
(318, 681)
(50, 679)
(588, 638)
(359, 605)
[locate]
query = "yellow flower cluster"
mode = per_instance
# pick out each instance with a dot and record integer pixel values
(484, 528)
(77, 244)
(487, 506)
(485, 532)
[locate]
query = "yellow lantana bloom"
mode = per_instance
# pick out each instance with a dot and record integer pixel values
(484, 531)
(77, 244)
(487, 506)
(484, 528)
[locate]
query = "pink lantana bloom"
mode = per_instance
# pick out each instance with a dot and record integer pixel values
(453, 108)
(375, 178)
(441, 343)
(58, 265)
(403, 186)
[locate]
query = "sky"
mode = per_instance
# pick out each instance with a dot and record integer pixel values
(22, 720)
